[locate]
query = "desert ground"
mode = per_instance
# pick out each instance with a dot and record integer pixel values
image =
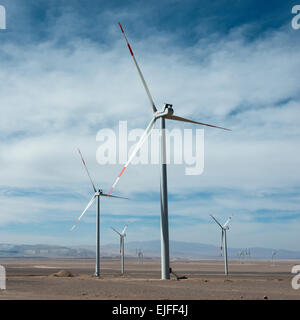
(35, 279)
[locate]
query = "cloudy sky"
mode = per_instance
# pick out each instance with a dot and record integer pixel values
(66, 73)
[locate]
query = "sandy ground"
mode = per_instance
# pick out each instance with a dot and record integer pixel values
(33, 279)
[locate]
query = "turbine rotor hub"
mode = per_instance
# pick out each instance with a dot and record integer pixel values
(99, 192)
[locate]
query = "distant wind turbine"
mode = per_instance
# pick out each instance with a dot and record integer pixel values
(224, 228)
(248, 253)
(122, 236)
(140, 256)
(97, 194)
(241, 256)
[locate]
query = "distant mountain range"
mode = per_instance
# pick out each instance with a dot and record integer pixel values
(150, 249)
(194, 250)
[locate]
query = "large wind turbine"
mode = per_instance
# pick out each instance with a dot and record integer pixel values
(122, 237)
(166, 113)
(97, 195)
(224, 228)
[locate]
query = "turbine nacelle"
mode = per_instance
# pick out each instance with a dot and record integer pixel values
(167, 111)
(121, 234)
(99, 193)
(169, 108)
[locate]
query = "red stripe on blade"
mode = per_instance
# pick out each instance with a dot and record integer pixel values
(122, 172)
(121, 27)
(130, 49)
(110, 191)
(81, 156)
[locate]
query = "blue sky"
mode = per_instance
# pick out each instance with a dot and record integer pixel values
(66, 73)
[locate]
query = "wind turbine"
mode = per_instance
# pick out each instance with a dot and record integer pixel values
(122, 236)
(140, 256)
(241, 255)
(97, 195)
(248, 253)
(224, 229)
(166, 113)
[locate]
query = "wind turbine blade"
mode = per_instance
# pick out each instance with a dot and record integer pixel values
(123, 232)
(227, 222)
(109, 195)
(116, 231)
(87, 171)
(139, 71)
(172, 117)
(134, 152)
(84, 211)
(216, 221)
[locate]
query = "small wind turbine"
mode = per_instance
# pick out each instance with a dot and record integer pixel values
(166, 113)
(241, 255)
(97, 194)
(224, 228)
(140, 256)
(248, 253)
(122, 236)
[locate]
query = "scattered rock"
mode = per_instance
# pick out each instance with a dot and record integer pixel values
(63, 274)
(181, 278)
(266, 298)
(241, 297)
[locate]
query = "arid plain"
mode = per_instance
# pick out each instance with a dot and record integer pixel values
(35, 279)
